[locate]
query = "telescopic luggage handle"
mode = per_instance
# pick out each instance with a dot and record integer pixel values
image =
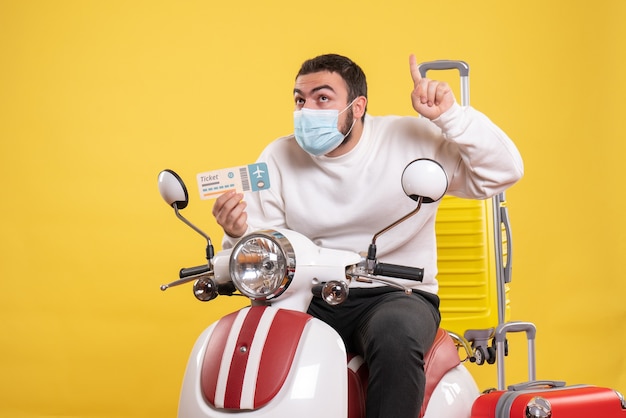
(461, 66)
(500, 339)
(504, 271)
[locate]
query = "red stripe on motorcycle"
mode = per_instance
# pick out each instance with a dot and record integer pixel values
(279, 336)
(278, 354)
(239, 361)
(211, 361)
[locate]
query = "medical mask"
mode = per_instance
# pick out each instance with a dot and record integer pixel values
(316, 129)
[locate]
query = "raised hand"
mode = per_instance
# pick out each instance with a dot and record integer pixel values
(430, 98)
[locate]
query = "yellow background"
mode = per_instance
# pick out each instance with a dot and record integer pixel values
(96, 97)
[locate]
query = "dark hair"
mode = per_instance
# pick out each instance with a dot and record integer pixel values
(345, 67)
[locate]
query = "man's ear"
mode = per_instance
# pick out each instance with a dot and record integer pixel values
(358, 107)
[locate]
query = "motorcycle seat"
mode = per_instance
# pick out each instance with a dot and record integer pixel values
(441, 358)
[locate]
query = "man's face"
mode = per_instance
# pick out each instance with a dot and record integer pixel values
(324, 90)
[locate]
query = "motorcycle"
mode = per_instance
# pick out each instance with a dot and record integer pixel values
(272, 359)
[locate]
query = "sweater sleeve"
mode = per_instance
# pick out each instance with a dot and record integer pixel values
(489, 162)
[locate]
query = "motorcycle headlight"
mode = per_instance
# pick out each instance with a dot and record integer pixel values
(262, 265)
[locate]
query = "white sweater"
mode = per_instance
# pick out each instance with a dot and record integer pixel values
(341, 202)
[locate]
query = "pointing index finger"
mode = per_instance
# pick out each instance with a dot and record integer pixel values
(415, 72)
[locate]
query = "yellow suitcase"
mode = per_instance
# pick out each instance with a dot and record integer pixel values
(474, 272)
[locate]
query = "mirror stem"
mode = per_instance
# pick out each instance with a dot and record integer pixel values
(399, 221)
(371, 253)
(209, 248)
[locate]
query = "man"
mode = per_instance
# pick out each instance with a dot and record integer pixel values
(337, 181)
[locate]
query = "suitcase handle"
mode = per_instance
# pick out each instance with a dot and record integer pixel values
(500, 338)
(515, 326)
(463, 68)
(503, 271)
(537, 384)
(504, 217)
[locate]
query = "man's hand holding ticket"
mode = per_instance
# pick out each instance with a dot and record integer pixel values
(245, 178)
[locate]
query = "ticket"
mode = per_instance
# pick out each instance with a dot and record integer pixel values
(245, 178)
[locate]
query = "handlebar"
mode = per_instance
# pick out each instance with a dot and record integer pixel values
(188, 275)
(399, 272)
(193, 271)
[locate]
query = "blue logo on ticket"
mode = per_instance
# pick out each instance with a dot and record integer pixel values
(245, 178)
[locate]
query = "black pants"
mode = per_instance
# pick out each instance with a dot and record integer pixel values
(392, 331)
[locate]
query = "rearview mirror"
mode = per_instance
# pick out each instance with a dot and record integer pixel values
(424, 178)
(172, 189)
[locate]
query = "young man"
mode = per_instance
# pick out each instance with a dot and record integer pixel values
(337, 181)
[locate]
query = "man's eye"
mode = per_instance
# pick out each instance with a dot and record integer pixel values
(299, 101)
(324, 99)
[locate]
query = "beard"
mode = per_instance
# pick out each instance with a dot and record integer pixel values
(346, 128)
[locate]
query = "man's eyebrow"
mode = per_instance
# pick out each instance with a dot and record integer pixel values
(315, 89)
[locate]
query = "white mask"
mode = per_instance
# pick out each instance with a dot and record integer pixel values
(316, 129)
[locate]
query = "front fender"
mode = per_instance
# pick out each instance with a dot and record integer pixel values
(266, 362)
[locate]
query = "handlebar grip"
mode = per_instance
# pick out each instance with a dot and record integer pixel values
(399, 272)
(192, 271)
